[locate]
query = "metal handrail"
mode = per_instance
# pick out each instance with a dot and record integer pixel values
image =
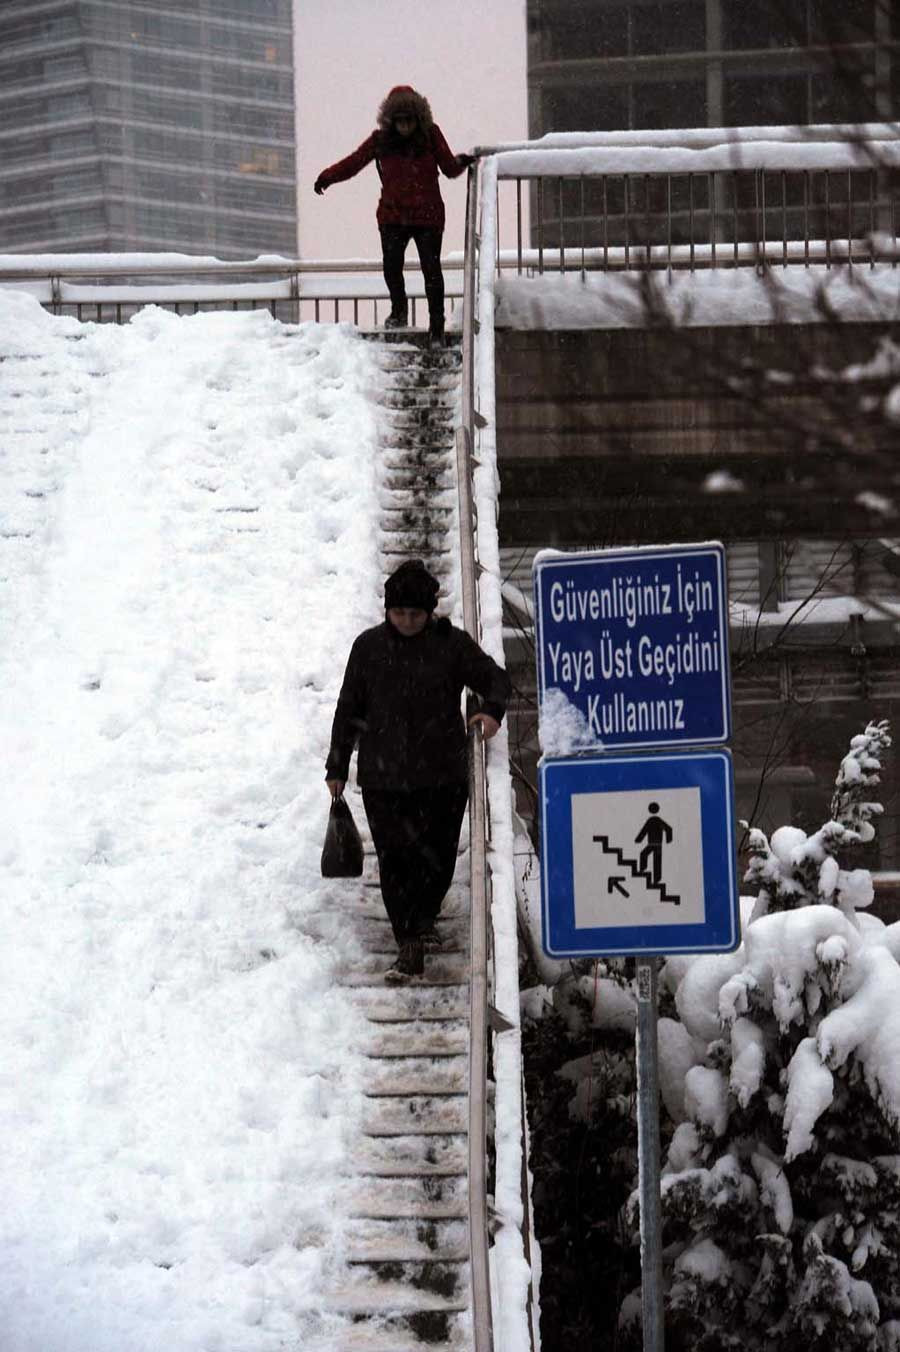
(478, 980)
(11, 269)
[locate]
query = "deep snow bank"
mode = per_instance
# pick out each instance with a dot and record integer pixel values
(187, 547)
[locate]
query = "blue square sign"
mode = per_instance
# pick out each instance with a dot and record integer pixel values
(638, 855)
(632, 646)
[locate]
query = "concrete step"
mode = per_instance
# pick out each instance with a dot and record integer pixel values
(409, 1198)
(407, 1076)
(441, 1331)
(436, 420)
(398, 1241)
(441, 566)
(416, 1037)
(408, 485)
(424, 454)
(416, 544)
(428, 509)
(413, 1156)
(391, 1116)
(437, 378)
(374, 1297)
(396, 1004)
(421, 395)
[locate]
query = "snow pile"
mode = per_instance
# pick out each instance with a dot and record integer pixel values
(700, 150)
(706, 298)
(563, 728)
(187, 549)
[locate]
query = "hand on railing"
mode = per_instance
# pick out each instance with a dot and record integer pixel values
(489, 726)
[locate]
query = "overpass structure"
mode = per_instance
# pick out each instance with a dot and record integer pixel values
(521, 435)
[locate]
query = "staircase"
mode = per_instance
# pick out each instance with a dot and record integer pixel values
(43, 405)
(407, 1277)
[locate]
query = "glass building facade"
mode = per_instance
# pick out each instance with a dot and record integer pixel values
(607, 65)
(133, 125)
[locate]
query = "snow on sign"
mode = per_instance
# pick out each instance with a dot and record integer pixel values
(639, 854)
(633, 648)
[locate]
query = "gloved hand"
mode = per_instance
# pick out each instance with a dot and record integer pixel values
(319, 186)
(464, 161)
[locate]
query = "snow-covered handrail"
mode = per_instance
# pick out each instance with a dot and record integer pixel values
(478, 948)
(512, 1272)
(114, 286)
(757, 197)
(32, 267)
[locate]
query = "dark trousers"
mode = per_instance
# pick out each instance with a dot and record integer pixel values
(416, 837)
(394, 239)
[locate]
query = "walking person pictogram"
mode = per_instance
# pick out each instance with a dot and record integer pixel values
(657, 833)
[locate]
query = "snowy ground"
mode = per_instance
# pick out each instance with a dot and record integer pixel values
(187, 547)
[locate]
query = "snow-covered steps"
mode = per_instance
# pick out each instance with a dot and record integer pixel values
(422, 1037)
(406, 1284)
(393, 1116)
(402, 1296)
(394, 1335)
(396, 1004)
(403, 1076)
(414, 1156)
(401, 1241)
(440, 970)
(409, 1198)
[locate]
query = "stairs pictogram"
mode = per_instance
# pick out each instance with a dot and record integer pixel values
(636, 871)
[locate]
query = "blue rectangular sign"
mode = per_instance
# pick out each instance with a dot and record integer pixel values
(638, 854)
(632, 647)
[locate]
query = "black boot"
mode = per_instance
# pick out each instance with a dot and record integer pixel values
(409, 962)
(436, 331)
(398, 318)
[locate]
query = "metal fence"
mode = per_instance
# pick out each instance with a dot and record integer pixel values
(716, 219)
(743, 200)
(112, 290)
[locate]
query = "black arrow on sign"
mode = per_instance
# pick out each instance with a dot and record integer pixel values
(616, 882)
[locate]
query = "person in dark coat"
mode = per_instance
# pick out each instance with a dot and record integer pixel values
(408, 148)
(400, 701)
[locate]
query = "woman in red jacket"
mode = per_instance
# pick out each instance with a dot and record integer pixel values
(408, 148)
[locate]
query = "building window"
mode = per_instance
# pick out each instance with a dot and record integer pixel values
(586, 108)
(669, 103)
(773, 101)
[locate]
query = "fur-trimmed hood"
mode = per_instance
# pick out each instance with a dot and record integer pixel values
(405, 99)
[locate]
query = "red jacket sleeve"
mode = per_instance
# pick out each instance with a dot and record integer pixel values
(351, 164)
(444, 155)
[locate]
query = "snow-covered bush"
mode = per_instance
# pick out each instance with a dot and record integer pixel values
(781, 1189)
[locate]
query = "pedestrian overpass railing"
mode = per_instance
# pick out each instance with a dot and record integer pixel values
(710, 198)
(509, 1282)
(110, 288)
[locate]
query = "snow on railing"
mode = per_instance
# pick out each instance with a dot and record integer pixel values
(113, 287)
(514, 1261)
(710, 198)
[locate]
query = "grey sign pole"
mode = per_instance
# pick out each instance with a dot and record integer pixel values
(648, 1157)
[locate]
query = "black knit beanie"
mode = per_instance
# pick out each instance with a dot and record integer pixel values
(411, 587)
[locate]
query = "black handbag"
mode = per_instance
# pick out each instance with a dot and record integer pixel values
(342, 853)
